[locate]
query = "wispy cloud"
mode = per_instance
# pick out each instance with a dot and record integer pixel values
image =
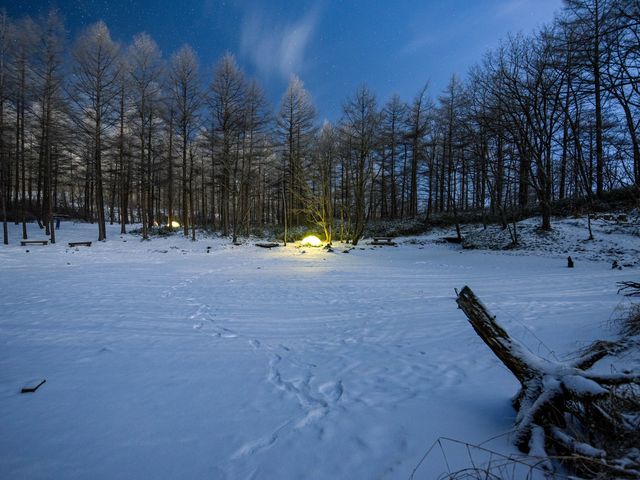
(512, 7)
(277, 47)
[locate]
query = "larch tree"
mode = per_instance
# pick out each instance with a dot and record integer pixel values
(295, 130)
(48, 87)
(123, 163)
(23, 43)
(319, 203)
(256, 121)
(228, 90)
(5, 41)
(392, 137)
(145, 70)
(417, 125)
(449, 111)
(94, 91)
(360, 127)
(187, 98)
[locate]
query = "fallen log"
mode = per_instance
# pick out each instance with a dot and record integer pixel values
(557, 402)
(267, 244)
(34, 388)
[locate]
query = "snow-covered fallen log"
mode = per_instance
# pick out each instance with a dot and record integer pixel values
(560, 405)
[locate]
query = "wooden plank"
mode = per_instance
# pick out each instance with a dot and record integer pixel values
(79, 244)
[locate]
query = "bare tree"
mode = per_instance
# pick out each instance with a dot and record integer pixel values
(5, 41)
(589, 22)
(296, 127)
(145, 69)
(417, 123)
(360, 124)
(185, 89)
(255, 145)
(319, 185)
(23, 45)
(622, 71)
(48, 77)
(228, 91)
(94, 91)
(392, 133)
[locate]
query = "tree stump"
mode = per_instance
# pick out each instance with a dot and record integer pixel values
(553, 393)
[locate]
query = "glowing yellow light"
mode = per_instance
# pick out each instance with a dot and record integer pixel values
(174, 224)
(311, 241)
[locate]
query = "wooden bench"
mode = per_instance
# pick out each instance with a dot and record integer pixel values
(79, 244)
(24, 243)
(383, 241)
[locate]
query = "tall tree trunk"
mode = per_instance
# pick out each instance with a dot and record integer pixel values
(598, 103)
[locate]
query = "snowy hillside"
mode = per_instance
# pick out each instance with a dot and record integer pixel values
(616, 237)
(165, 361)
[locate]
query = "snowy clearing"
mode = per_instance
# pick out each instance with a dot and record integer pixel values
(165, 361)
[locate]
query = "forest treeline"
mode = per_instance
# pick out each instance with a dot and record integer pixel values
(115, 133)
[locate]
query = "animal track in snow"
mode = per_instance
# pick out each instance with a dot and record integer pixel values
(262, 443)
(332, 391)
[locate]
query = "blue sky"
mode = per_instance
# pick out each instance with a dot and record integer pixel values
(332, 45)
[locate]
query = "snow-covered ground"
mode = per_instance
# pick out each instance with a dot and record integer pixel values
(616, 238)
(165, 361)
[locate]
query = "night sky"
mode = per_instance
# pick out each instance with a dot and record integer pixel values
(393, 46)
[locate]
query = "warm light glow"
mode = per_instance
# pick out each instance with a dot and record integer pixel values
(174, 224)
(311, 241)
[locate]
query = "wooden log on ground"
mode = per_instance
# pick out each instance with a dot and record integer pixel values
(32, 389)
(267, 244)
(80, 244)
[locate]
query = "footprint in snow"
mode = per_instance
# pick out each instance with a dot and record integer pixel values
(262, 443)
(251, 448)
(311, 416)
(332, 391)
